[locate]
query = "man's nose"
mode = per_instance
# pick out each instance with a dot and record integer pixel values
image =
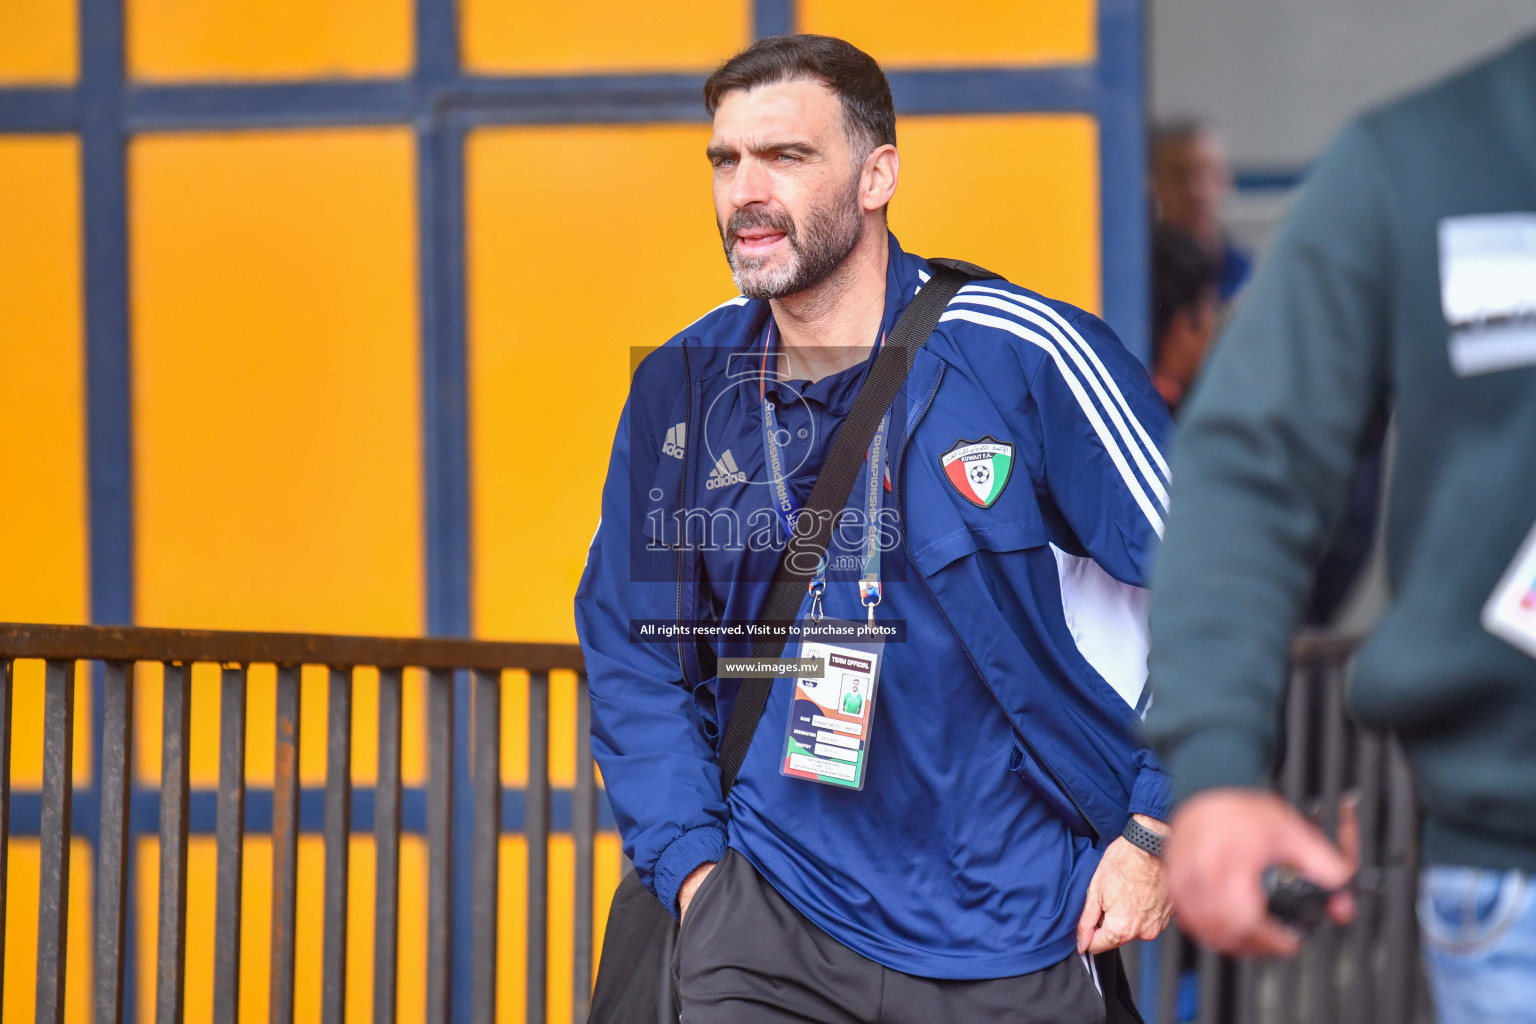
(749, 185)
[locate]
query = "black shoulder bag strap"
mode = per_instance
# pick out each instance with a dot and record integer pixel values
(833, 485)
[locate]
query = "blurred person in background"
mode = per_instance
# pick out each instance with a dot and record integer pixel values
(1405, 273)
(1190, 184)
(1186, 316)
(1186, 311)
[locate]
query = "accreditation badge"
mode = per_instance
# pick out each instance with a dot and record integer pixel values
(1510, 613)
(830, 718)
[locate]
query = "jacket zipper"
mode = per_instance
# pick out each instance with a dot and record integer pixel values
(901, 513)
(682, 505)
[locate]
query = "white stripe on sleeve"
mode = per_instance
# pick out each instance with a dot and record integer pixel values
(1079, 343)
(1106, 437)
(1153, 481)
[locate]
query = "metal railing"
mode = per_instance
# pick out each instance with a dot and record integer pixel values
(1367, 973)
(447, 664)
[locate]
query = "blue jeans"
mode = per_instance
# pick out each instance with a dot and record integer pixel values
(1479, 930)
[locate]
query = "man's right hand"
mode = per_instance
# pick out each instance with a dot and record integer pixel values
(690, 886)
(1220, 843)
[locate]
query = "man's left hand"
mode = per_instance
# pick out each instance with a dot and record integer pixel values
(1127, 898)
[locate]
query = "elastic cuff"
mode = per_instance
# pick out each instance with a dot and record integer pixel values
(1217, 758)
(1152, 795)
(694, 847)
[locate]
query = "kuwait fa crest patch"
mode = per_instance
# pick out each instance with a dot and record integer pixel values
(979, 469)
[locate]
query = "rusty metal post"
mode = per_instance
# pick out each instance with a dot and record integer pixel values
(175, 767)
(338, 829)
(285, 844)
(53, 871)
(112, 851)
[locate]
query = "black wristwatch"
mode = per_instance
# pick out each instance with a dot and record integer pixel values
(1142, 837)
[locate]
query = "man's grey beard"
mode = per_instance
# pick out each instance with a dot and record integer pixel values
(830, 234)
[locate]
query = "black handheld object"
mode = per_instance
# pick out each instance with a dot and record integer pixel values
(1294, 900)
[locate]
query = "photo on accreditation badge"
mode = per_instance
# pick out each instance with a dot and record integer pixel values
(855, 694)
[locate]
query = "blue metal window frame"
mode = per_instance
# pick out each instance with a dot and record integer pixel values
(442, 105)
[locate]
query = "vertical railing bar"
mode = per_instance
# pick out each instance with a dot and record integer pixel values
(53, 833)
(285, 843)
(1323, 991)
(486, 756)
(5, 805)
(386, 843)
(463, 845)
(230, 831)
(1212, 975)
(536, 829)
(1335, 744)
(1245, 1001)
(112, 852)
(440, 727)
(1401, 884)
(1298, 733)
(337, 828)
(1169, 953)
(1363, 932)
(175, 767)
(584, 826)
(1132, 955)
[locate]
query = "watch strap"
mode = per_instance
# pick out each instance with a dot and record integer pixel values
(1143, 838)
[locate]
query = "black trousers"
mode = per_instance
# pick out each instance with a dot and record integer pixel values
(745, 956)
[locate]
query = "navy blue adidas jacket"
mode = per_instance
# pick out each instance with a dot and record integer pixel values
(1041, 589)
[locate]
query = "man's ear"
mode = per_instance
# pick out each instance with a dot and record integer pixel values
(877, 183)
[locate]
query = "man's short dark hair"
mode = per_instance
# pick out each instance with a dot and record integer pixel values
(1182, 274)
(868, 112)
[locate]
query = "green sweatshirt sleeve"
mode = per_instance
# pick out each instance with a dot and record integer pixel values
(1261, 468)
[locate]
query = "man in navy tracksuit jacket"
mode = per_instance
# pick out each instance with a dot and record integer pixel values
(1016, 513)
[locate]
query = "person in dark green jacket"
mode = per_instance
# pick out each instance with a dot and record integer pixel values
(1405, 276)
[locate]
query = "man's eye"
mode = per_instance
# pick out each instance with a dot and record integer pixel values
(787, 158)
(725, 161)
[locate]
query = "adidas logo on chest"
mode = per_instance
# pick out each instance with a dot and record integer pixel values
(724, 473)
(675, 442)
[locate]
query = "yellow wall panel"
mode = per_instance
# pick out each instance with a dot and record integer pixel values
(973, 33)
(37, 41)
(267, 39)
(1029, 208)
(276, 400)
(43, 519)
(534, 36)
(550, 346)
(21, 933)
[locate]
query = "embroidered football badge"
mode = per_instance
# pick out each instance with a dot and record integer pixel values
(979, 470)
